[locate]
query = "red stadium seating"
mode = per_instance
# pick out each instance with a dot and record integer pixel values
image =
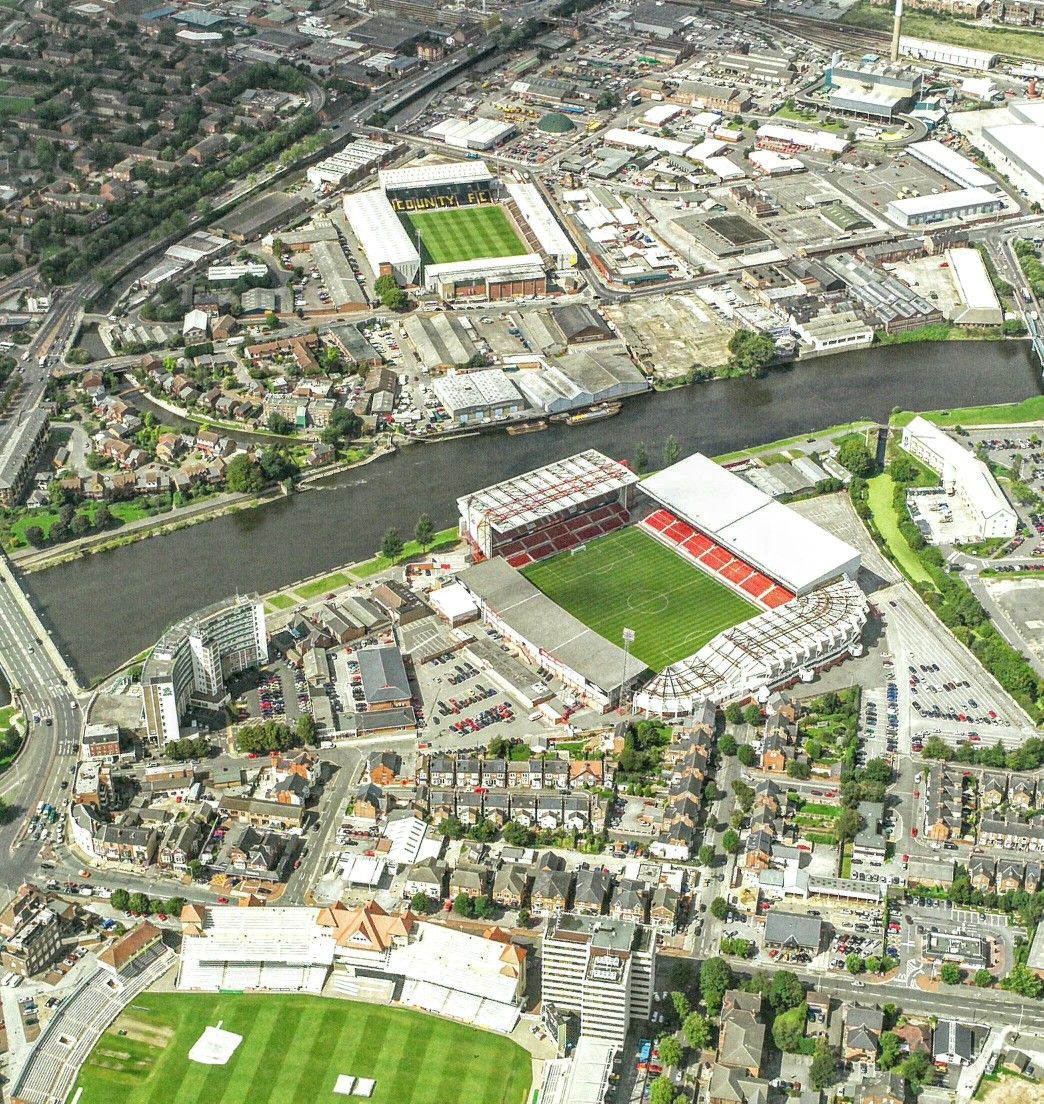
(700, 550)
(736, 572)
(777, 596)
(564, 535)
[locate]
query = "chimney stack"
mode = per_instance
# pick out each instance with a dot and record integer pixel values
(897, 27)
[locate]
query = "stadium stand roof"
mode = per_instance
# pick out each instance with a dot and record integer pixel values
(431, 174)
(527, 266)
(778, 541)
(534, 617)
(552, 238)
(382, 236)
(763, 652)
(545, 492)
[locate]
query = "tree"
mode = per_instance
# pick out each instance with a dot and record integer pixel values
(854, 964)
(696, 1030)
(390, 294)
(730, 842)
(734, 713)
(751, 352)
(424, 530)
(1022, 980)
(120, 900)
(788, 1029)
(463, 905)
(172, 906)
(747, 755)
(670, 1051)
(607, 100)
(705, 856)
(421, 903)
(823, 1071)
(306, 731)
(719, 908)
(854, 455)
(727, 745)
(798, 769)
(950, 973)
(34, 535)
(483, 908)
(744, 795)
(681, 1005)
(243, 475)
(716, 977)
(983, 979)
(671, 451)
(660, 1092)
(139, 903)
(890, 1052)
(847, 824)
(786, 991)
(916, 1070)
(752, 715)
(391, 545)
(641, 458)
(278, 424)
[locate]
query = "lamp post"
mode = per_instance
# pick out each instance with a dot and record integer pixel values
(628, 640)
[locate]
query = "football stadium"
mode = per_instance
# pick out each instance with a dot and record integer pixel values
(463, 234)
(728, 593)
(296, 1049)
(459, 230)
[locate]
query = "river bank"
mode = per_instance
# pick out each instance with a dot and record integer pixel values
(306, 535)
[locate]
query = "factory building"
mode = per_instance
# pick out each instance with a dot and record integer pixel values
(471, 134)
(880, 92)
(925, 210)
(957, 168)
(474, 398)
(960, 57)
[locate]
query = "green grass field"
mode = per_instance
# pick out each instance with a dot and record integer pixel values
(629, 579)
(464, 233)
(293, 1049)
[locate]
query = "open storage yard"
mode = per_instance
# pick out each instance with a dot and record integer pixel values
(464, 233)
(628, 579)
(293, 1050)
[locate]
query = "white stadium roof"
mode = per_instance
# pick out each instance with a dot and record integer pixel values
(381, 235)
(526, 265)
(770, 536)
(545, 492)
(552, 238)
(431, 174)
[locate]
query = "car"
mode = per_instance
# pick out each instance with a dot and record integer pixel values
(222, 900)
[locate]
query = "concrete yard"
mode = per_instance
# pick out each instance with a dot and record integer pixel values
(673, 334)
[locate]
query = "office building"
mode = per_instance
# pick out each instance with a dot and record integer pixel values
(194, 658)
(600, 969)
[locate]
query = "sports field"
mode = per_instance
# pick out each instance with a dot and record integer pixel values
(293, 1049)
(629, 579)
(464, 233)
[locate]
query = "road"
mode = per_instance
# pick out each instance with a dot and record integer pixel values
(45, 686)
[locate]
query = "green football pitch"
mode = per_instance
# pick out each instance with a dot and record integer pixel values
(464, 233)
(629, 579)
(293, 1049)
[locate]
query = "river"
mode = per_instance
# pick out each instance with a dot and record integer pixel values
(109, 606)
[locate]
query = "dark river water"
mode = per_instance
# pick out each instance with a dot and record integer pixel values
(110, 606)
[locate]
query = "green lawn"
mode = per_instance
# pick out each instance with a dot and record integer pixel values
(879, 498)
(1029, 410)
(920, 24)
(321, 586)
(293, 1049)
(629, 579)
(281, 601)
(13, 105)
(464, 233)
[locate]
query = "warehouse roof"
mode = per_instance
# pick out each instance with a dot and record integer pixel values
(383, 675)
(465, 391)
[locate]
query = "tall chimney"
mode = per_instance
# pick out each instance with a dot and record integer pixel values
(897, 27)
